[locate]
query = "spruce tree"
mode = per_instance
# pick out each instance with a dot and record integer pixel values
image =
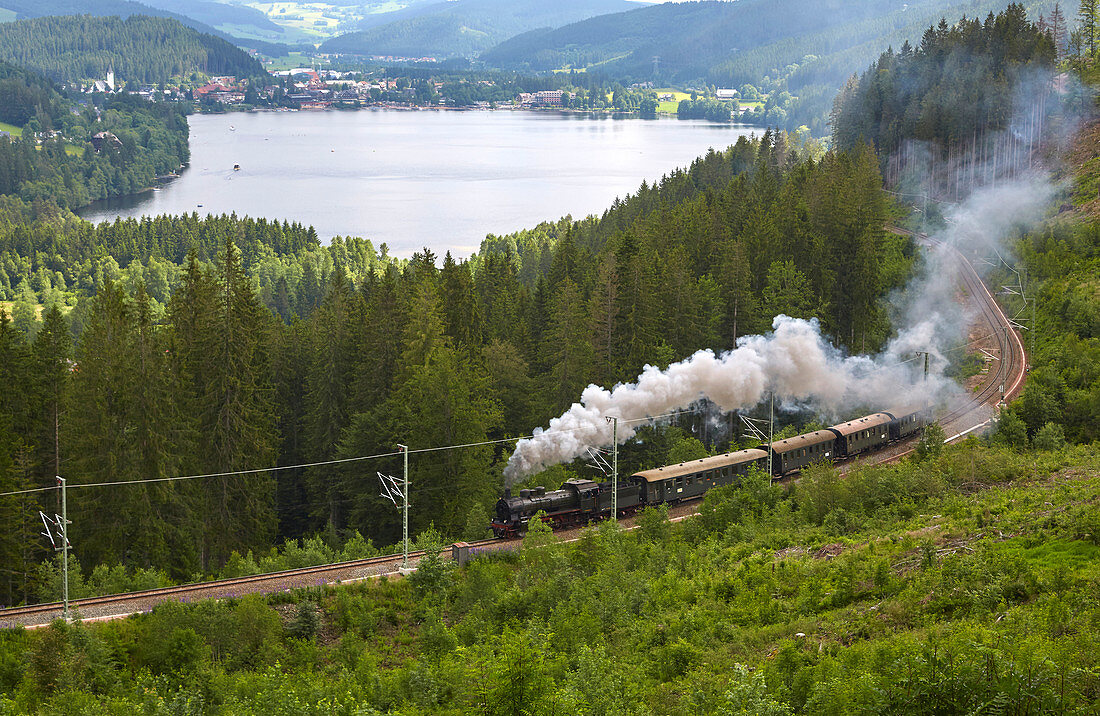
(52, 351)
(222, 339)
(567, 349)
(326, 398)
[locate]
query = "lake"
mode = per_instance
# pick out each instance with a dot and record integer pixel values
(410, 179)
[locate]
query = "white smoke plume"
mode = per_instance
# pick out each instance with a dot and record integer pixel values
(795, 362)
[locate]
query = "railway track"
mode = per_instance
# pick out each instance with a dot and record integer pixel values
(1002, 384)
(113, 606)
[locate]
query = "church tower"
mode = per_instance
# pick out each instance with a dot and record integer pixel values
(111, 78)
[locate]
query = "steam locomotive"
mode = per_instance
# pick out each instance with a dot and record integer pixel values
(579, 502)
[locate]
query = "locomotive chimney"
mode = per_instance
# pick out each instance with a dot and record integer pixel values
(507, 492)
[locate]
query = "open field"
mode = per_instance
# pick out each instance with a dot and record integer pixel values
(294, 59)
(319, 20)
(11, 129)
(669, 106)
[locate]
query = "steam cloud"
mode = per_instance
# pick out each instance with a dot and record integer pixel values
(795, 362)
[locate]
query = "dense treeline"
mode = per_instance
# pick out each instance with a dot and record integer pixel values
(382, 352)
(711, 109)
(72, 159)
(139, 48)
(954, 91)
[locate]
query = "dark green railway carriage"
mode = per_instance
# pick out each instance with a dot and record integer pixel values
(691, 479)
(867, 433)
(908, 421)
(802, 450)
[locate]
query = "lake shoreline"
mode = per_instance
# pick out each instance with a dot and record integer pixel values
(441, 179)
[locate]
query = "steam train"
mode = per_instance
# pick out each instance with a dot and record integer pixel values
(580, 501)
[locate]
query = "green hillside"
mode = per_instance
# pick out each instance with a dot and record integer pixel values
(465, 27)
(804, 47)
(730, 43)
(140, 48)
(241, 24)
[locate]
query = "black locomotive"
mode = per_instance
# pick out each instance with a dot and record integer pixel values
(580, 501)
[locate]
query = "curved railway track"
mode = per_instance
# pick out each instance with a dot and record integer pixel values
(1006, 381)
(1003, 383)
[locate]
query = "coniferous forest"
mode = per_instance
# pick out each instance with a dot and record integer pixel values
(139, 48)
(292, 353)
(961, 580)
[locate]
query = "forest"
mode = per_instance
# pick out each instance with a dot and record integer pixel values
(460, 27)
(950, 93)
(806, 49)
(333, 349)
(940, 586)
(140, 49)
(961, 580)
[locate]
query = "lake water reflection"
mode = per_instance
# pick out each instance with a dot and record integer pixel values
(413, 179)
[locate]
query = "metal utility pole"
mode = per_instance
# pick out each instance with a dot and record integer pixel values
(405, 512)
(57, 528)
(64, 543)
(394, 492)
(925, 354)
(614, 467)
(771, 433)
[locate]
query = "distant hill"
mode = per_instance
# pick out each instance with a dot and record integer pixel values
(140, 48)
(201, 15)
(463, 27)
(731, 43)
(218, 14)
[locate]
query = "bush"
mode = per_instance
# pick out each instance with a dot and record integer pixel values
(1050, 437)
(1011, 430)
(434, 574)
(931, 442)
(306, 622)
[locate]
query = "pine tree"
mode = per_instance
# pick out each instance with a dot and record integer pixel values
(100, 432)
(741, 303)
(1058, 31)
(1086, 14)
(604, 309)
(18, 518)
(788, 292)
(15, 370)
(378, 347)
(460, 306)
